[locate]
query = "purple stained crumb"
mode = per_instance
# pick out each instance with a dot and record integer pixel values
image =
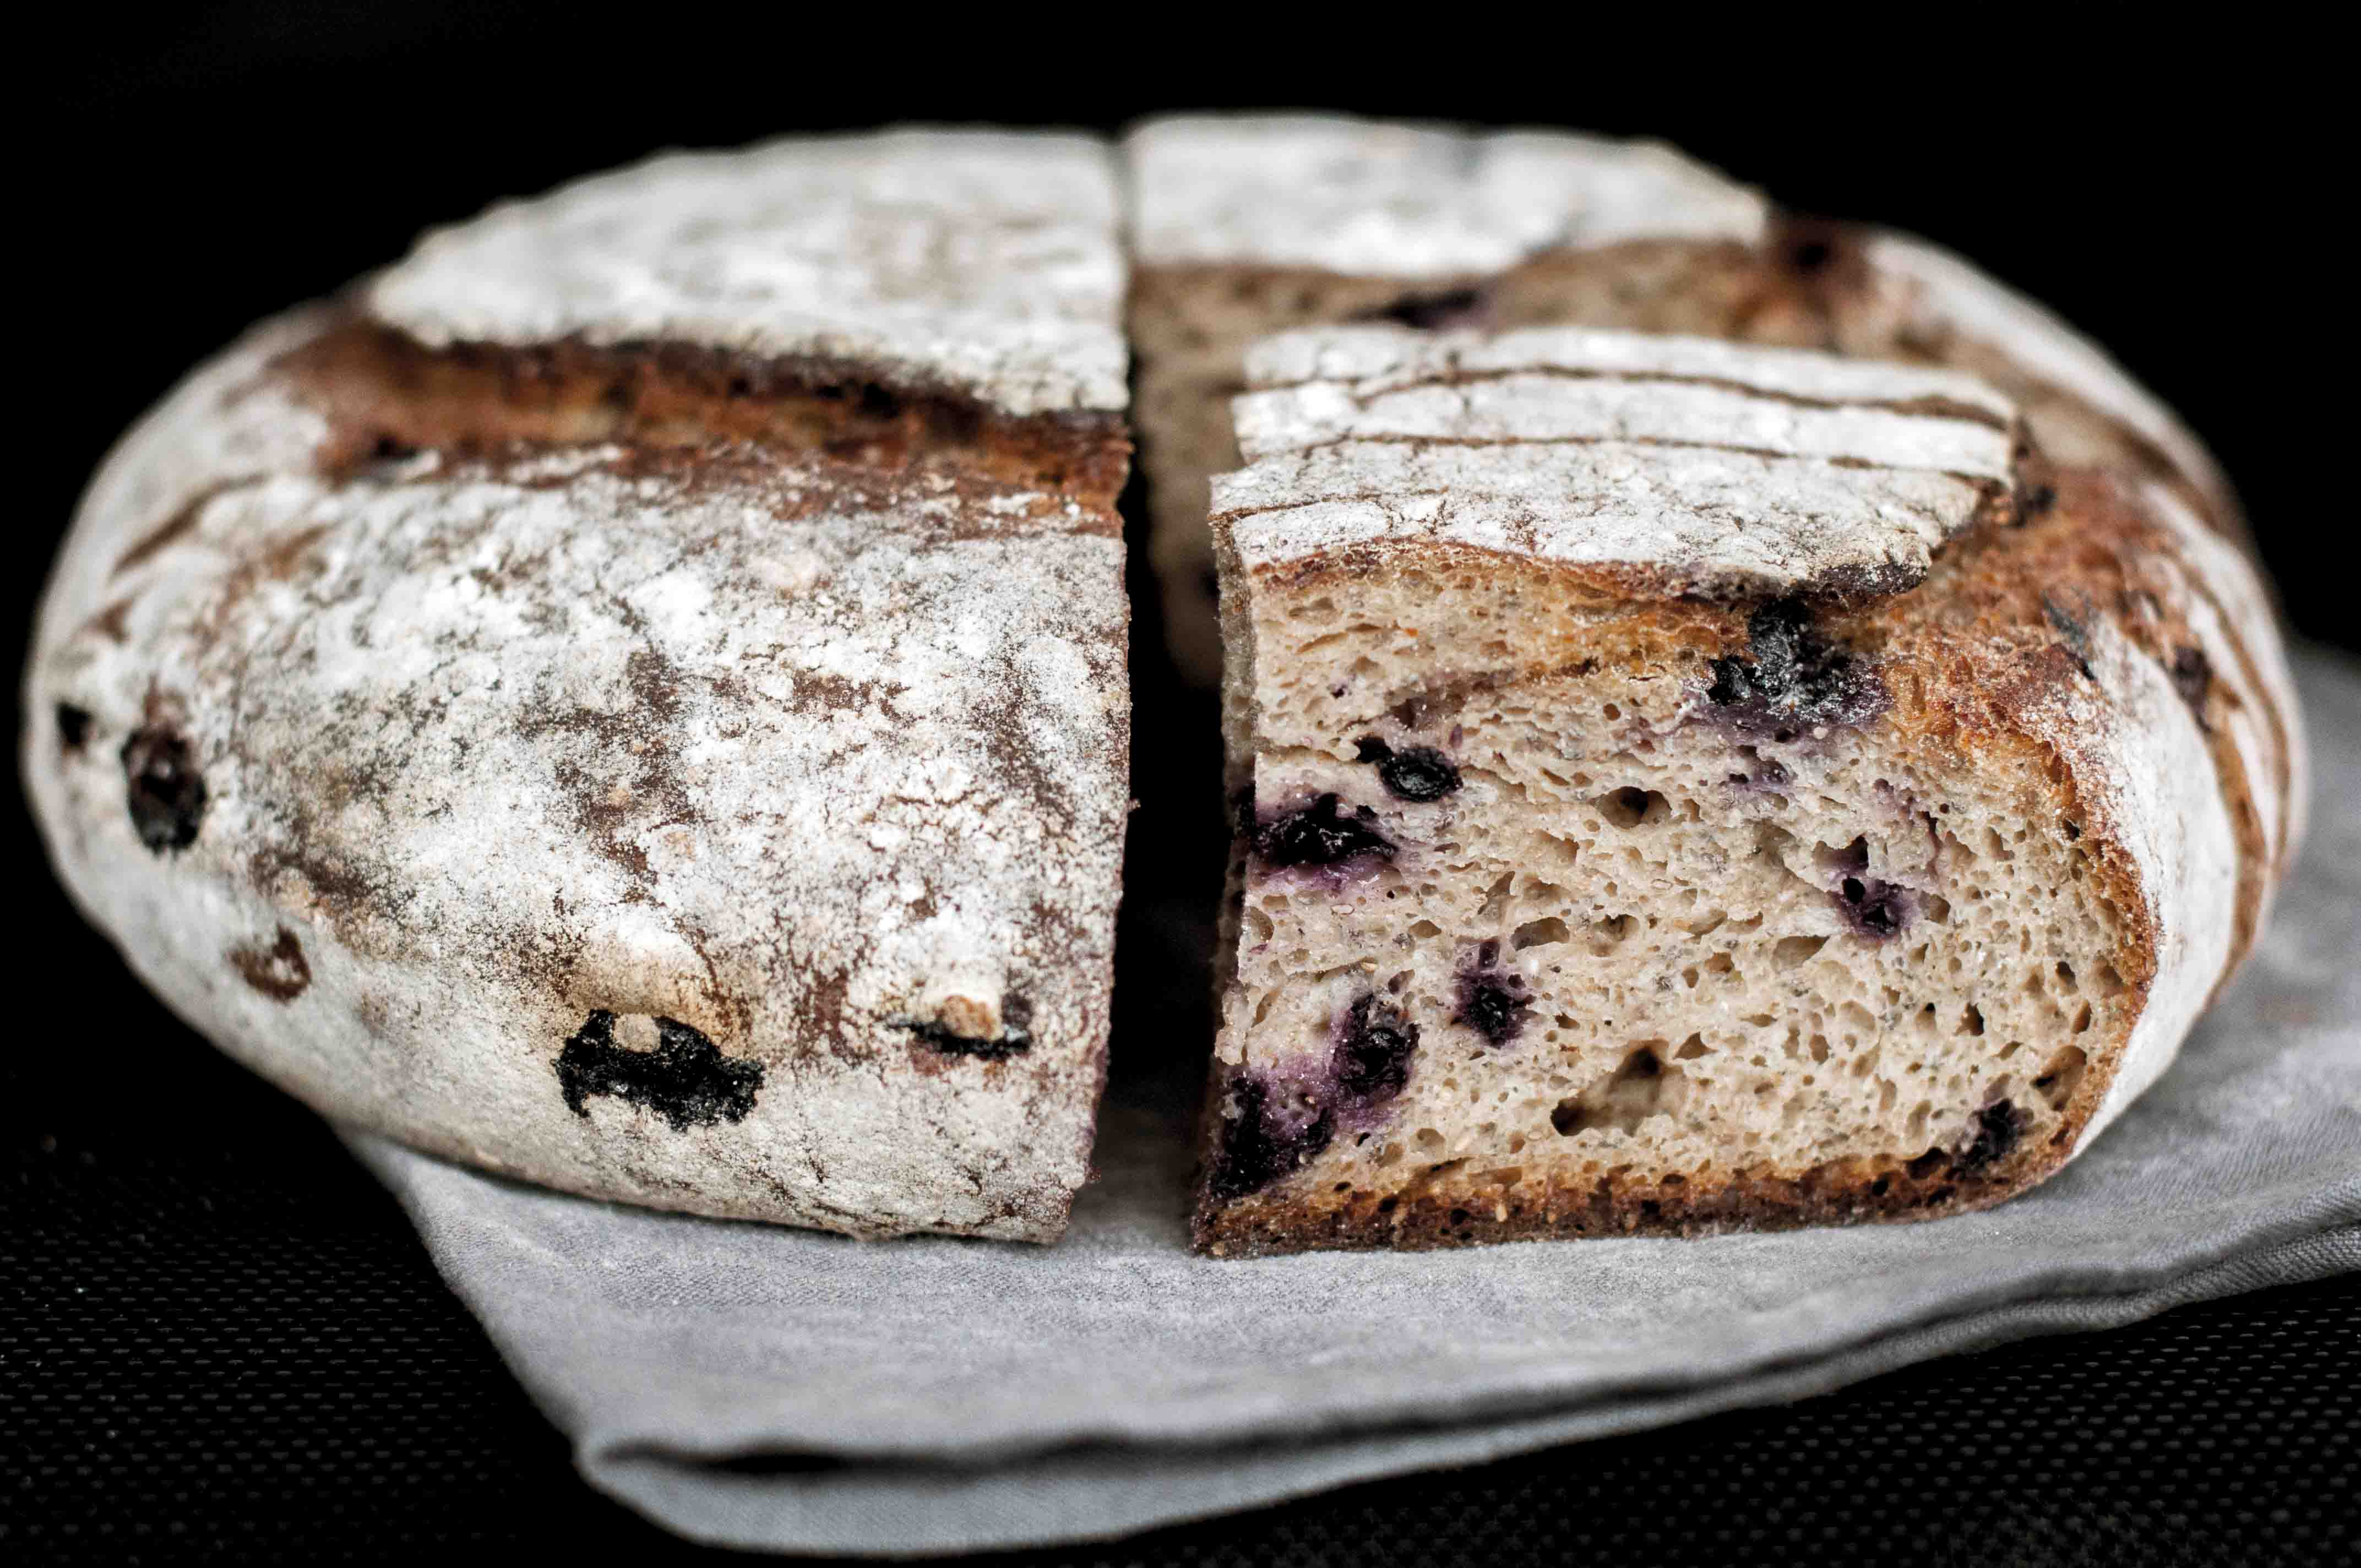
(1875, 909)
(1279, 1120)
(1370, 1063)
(1418, 773)
(1322, 834)
(1265, 1136)
(1762, 775)
(1870, 907)
(1795, 681)
(1494, 1002)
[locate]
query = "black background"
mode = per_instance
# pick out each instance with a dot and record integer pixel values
(218, 1338)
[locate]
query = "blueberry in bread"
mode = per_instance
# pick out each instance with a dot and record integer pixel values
(1682, 784)
(634, 697)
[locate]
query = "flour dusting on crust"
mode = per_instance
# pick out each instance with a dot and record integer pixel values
(984, 262)
(1704, 468)
(1409, 201)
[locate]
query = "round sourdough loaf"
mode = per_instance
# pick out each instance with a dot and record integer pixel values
(634, 694)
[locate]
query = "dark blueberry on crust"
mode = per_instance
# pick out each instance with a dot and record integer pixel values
(1016, 1035)
(73, 725)
(686, 1078)
(1795, 680)
(1997, 1128)
(1263, 1139)
(1442, 312)
(1421, 773)
(1320, 834)
(1492, 1000)
(2193, 677)
(1373, 1052)
(165, 792)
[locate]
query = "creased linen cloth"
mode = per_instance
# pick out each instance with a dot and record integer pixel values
(765, 1388)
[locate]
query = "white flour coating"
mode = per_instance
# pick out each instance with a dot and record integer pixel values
(1937, 289)
(1409, 201)
(1378, 359)
(2144, 767)
(2249, 653)
(1719, 468)
(485, 755)
(986, 261)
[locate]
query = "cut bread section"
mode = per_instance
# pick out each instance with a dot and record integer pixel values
(1680, 786)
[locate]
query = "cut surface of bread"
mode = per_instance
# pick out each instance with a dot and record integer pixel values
(1679, 785)
(635, 697)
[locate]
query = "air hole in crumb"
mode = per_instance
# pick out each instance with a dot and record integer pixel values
(1628, 1096)
(1790, 952)
(2061, 1077)
(1610, 932)
(1631, 805)
(1539, 934)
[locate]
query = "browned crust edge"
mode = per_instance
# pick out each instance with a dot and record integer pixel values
(386, 394)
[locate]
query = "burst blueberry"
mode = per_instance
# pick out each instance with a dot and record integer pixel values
(1320, 834)
(1418, 773)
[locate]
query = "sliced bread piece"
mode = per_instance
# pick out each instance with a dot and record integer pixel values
(1681, 786)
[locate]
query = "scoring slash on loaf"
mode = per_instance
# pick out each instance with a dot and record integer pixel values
(635, 699)
(1682, 785)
